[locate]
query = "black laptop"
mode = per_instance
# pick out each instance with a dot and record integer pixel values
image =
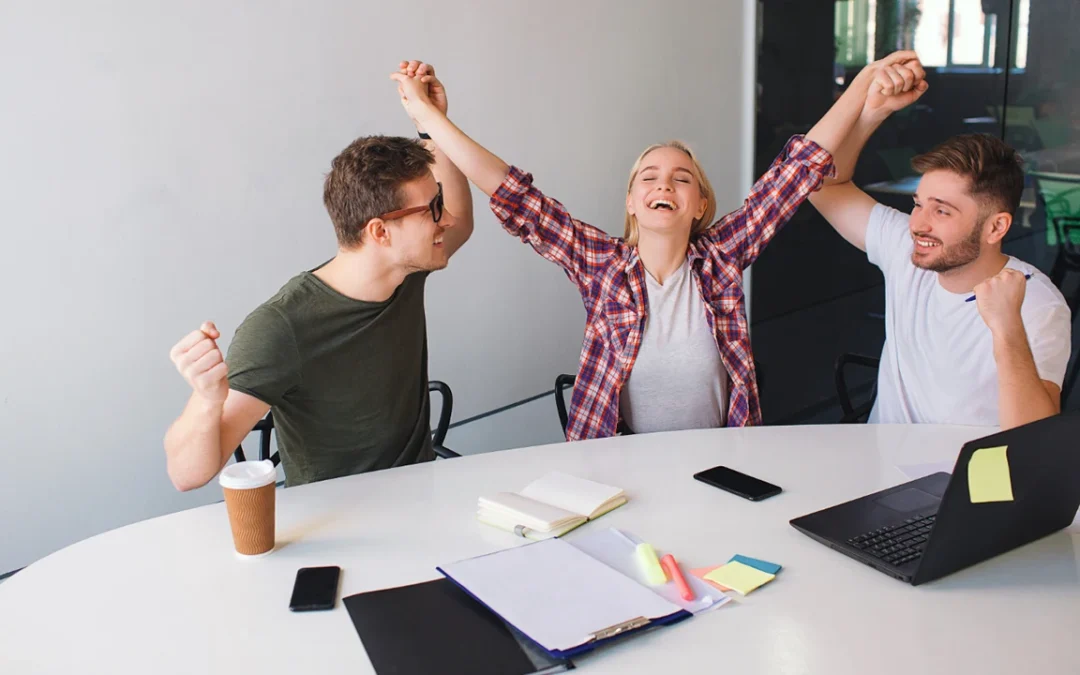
(928, 528)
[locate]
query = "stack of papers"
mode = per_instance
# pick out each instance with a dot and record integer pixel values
(741, 574)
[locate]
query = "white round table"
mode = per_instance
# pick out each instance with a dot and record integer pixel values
(168, 595)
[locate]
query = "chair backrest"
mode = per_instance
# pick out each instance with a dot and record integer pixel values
(562, 383)
(853, 413)
(438, 434)
(265, 427)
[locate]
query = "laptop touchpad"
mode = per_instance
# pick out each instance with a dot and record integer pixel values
(905, 501)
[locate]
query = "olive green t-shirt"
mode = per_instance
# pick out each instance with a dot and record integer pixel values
(346, 379)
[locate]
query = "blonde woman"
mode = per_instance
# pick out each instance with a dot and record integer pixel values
(666, 341)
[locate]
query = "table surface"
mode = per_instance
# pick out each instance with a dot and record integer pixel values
(168, 595)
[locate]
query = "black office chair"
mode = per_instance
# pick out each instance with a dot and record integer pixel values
(564, 382)
(264, 426)
(853, 414)
(438, 435)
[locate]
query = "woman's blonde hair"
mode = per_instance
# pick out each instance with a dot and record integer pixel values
(699, 225)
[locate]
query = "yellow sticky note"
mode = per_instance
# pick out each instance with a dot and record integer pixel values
(739, 577)
(988, 476)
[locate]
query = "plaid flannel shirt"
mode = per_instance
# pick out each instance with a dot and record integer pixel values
(611, 279)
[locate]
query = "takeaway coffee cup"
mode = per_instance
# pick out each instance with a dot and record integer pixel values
(249, 497)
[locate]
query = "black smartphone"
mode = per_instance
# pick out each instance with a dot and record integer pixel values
(315, 588)
(738, 483)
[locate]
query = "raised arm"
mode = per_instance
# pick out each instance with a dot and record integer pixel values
(456, 191)
(742, 234)
(806, 163)
(1023, 396)
(525, 212)
(885, 86)
(215, 419)
(480, 166)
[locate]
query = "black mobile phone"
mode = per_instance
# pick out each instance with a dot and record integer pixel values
(315, 588)
(738, 483)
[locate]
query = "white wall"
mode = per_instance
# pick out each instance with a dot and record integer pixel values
(161, 164)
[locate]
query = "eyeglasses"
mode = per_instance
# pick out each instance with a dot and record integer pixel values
(435, 205)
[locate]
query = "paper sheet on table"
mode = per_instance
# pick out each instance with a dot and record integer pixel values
(617, 553)
(917, 471)
(989, 479)
(555, 593)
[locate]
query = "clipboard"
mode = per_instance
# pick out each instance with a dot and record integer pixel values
(562, 599)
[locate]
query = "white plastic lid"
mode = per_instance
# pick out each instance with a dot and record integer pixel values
(248, 475)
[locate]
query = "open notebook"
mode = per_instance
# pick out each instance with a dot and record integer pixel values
(549, 507)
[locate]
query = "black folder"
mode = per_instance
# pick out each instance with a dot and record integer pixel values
(435, 627)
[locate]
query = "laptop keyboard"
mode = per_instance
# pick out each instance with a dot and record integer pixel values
(897, 544)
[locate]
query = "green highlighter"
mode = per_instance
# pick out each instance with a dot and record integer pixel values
(650, 565)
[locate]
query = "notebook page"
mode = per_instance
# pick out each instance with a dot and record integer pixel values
(571, 493)
(510, 523)
(528, 512)
(554, 593)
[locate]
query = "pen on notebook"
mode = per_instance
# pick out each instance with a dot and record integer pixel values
(672, 568)
(972, 298)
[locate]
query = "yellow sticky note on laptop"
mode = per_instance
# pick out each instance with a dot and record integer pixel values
(988, 476)
(739, 577)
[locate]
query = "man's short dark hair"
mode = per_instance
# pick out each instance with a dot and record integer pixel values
(366, 179)
(994, 169)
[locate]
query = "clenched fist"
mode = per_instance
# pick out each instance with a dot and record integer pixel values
(1000, 298)
(425, 72)
(896, 81)
(199, 360)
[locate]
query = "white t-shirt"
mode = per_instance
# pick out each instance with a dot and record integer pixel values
(938, 365)
(678, 380)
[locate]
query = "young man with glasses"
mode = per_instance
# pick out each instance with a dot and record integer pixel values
(339, 353)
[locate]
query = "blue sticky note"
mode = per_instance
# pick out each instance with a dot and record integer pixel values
(767, 567)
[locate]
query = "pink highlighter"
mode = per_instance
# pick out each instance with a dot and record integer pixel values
(672, 568)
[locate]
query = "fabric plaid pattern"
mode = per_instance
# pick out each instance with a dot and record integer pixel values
(611, 279)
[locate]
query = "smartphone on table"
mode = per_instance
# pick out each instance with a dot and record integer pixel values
(738, 483)
(315, 588)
